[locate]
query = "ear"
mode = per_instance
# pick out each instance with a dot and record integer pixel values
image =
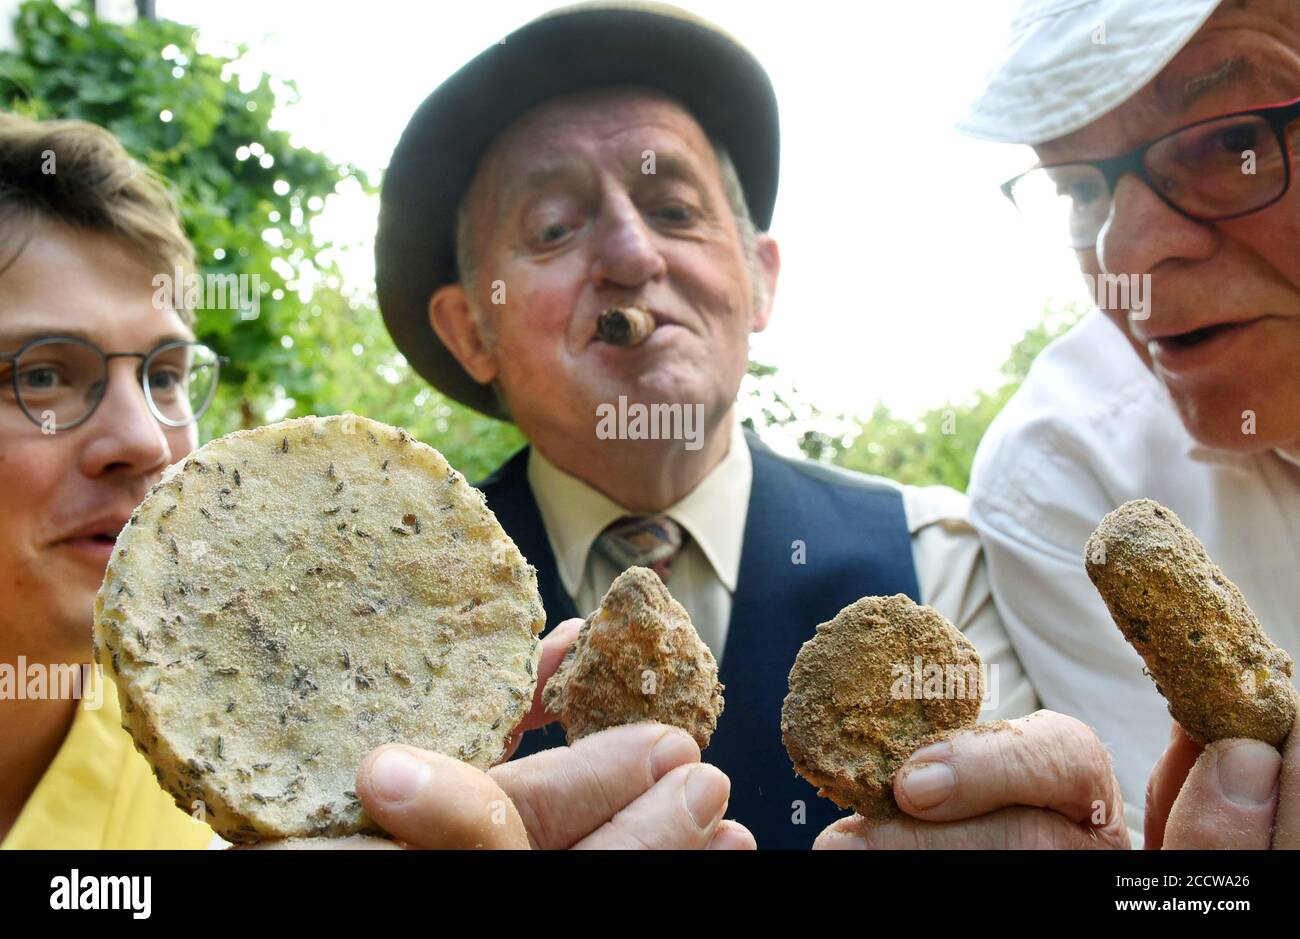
(769, 269)
(452, 318)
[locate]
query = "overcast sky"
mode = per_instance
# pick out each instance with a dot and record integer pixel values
(906, 275)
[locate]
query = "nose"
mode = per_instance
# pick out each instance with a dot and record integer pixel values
(1143, 232)
(626, 253)
(123, 435)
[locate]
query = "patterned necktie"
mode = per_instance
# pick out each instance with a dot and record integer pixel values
(652, 541)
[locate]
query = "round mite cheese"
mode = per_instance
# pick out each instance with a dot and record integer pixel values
(290, 597)
(882, 679)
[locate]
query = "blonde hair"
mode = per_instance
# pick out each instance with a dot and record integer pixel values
(78, 174)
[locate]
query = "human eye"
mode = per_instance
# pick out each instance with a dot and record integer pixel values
(676, 212)
(1084, 192)
(547, 231)
(1080, 186)
(553, 233)
(1237, 138)
(41, 377)
(1214, 145)
(165, 379)
(551, 219)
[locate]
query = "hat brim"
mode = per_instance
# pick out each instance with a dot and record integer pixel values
(717, 79)
(1070, 63)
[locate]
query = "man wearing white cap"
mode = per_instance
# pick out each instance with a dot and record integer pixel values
(1167, 133)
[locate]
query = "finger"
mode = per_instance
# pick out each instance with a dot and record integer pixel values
(732, 836)
(1166, 780)
(1228, 799)
(565, 793)
(428, 800)
(1015, 828)
(679, 812)
(554, 647)
(1286, 825)
(1046, 760)
(845, 834)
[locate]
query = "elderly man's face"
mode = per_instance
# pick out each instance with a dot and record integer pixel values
(568, 221)
(1223, 331)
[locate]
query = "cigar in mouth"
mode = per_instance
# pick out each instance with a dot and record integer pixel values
(625, 326)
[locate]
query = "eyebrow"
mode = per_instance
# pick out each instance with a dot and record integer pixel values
(675, 167)
(539, 177)
(667, 165)
(21, 336)
(1181, 97)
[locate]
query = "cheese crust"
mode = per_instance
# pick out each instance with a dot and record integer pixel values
(288, 598)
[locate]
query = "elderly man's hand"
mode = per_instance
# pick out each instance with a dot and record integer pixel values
(1043, 781)
(1238, 794)
(639, 786)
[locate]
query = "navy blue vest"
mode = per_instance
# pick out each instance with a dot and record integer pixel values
(855, 543)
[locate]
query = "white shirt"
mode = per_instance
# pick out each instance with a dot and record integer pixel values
(945, 550)
(1090, 429)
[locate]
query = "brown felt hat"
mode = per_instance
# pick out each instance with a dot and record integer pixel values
(565, 51)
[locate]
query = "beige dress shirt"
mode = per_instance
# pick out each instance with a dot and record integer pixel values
(945, 550)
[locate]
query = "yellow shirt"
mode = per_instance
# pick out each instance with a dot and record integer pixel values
(98, 792)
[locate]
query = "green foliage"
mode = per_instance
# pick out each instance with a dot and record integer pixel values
(347, 362)
(70, 65)
(248, 197)
(940, 447)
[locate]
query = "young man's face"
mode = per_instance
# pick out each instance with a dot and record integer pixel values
(65, 496)
(570, 222)
(1223, 331)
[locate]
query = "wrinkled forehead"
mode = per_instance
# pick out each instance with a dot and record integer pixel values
(595, 123)
(1233, 53)
(1246, 55)
(1249, 44)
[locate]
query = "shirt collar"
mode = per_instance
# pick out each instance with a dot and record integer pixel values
(713, 513)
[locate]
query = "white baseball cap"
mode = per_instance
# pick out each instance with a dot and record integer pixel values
(1071, 61)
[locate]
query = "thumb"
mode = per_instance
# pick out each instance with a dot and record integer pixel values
(1228, 799)
(428, 800)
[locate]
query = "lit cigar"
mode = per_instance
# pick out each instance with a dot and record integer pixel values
(625, 326)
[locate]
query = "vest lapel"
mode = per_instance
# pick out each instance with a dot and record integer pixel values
(855, 542)
(511, 499)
